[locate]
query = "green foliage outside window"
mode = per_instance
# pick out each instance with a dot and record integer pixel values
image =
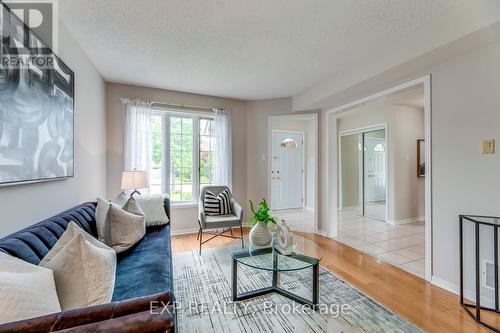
(156, 140)
(181, 153)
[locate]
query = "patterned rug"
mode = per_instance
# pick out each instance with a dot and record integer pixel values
(203, 291)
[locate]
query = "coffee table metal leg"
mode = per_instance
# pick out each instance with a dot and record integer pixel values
(275, 273)
(315, 298)
(234, 279)
(274, 287)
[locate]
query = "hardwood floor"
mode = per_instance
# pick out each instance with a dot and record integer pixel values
(431, 308)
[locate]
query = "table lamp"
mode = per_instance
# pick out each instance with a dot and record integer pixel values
(132, 180)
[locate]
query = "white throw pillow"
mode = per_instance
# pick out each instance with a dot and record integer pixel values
(71, 231)
(26, 290)
(121, 198)
(118, 227)
(84, 273)
(154, 211)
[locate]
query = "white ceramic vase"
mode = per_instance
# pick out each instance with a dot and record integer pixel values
(260, 235)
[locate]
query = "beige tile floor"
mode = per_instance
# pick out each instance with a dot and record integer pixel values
(297, 219)
(402, 245)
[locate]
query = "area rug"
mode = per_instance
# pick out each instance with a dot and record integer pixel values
(202, 286)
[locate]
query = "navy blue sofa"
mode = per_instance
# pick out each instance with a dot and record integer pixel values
(143, 272)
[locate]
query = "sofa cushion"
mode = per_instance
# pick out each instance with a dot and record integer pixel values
(26, 290)
(71, 232)
(153, 207)
(221, 221)
(152, 254)
(33, 243)
(84, 273)
(120, 227)
(146, 268)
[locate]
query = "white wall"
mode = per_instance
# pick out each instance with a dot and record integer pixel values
(23, 205)
(465, 110)
(306, 126)
(183, 219)
(404, 126)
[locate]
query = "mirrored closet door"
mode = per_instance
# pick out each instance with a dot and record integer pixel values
(364, 173)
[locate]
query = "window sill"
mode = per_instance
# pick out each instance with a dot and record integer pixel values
(181, 205)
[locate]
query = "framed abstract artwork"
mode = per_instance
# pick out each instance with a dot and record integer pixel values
(36, 107)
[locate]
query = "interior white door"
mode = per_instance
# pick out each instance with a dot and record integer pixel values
(287, 175)
(375, 170)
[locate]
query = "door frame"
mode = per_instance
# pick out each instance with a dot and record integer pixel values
(271, 157)
(426, 80)
(359, 130)
(301, 116)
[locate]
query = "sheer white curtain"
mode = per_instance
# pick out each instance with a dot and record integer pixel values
(137, 134)
(222, 173)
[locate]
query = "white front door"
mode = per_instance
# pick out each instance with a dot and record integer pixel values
(287, 175)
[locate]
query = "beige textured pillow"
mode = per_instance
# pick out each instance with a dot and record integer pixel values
(71, 231)
(117, 227)
(101, 218)
(125, 229)
(84, 273)
(132, 206)
(26, 290)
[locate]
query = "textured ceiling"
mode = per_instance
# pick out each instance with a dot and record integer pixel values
(254, 49)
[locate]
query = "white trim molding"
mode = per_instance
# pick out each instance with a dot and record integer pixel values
(448, 286)
(331, 192)
(304, 116)
(406, 221)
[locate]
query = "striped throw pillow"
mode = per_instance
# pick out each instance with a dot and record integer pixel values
(217, 204)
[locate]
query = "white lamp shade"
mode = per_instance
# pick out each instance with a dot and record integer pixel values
(132, 180)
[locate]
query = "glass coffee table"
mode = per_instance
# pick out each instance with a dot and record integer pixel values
(271, 260)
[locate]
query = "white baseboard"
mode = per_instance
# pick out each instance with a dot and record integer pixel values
(185, 231)
(303, 229)
(324, 234)
(448, 286)
(321, 233)
(406, 221)
(454, 289)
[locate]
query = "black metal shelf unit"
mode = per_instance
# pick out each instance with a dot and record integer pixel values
(477, 220)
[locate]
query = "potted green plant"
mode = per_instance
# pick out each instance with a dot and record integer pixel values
(260, 234)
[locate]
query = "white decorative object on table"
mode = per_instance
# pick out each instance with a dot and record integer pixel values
(260, 235)
(283, 238)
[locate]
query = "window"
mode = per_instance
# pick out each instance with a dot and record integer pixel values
(379, 147)
(289, 143)
(156, 155)
(206, 151)
(182, 154)
(181, 158)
